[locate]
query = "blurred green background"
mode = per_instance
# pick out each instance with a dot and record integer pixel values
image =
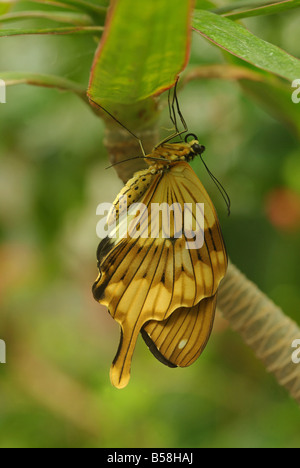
(55, 389)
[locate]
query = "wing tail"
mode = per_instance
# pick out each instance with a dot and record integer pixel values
(121, 366)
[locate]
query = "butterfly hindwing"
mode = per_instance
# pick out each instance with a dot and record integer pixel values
(180, 339)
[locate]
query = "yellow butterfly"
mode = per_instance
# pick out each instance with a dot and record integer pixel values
(153, 278)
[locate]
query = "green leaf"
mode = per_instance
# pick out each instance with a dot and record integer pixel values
(240, 42)
(86, 6)
(204, 4)
(60, 17)
(145, 46)
(94, 30)
(265, 10)
(81, 5)
(5, 7)
(240, 4)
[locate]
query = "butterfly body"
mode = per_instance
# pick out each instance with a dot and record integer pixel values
(160, 160)
(155, 283)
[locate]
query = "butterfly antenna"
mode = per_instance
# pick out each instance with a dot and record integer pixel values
(122, 125)
(220, 187)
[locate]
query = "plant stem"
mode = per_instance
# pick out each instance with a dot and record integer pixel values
(122, 146)
(263, 326)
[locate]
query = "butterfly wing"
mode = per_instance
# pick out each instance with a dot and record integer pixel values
(180, 339)
(145, 278)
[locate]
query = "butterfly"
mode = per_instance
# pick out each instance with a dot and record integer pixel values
(154, 277)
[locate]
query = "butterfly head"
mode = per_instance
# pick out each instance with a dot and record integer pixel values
(195, 148)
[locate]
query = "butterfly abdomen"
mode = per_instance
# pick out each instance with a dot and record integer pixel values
(130, 193)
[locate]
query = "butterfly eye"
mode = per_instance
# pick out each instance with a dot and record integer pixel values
(198, 149)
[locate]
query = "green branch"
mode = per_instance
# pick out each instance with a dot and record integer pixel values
(94, 30)
(60, 17)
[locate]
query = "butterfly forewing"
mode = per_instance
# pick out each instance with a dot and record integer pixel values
(154, 280)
